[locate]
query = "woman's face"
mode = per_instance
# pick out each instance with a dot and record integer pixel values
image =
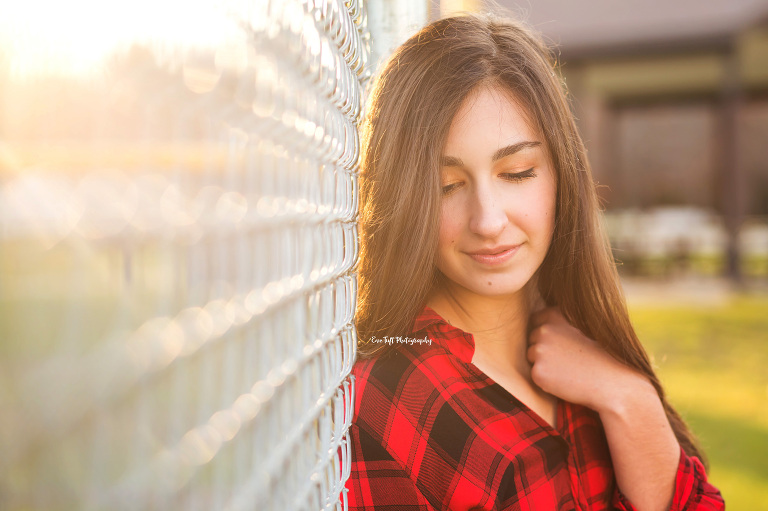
(498, 204)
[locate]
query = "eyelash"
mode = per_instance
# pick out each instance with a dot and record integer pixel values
(520, 176)
(447, 189)
(509, 176)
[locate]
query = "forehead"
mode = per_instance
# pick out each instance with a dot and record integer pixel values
(492, 115)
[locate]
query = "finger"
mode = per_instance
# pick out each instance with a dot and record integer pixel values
(531, 354)
(539, 334)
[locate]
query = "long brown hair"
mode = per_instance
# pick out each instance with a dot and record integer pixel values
(410, 110)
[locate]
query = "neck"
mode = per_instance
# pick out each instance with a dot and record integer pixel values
(499, 324)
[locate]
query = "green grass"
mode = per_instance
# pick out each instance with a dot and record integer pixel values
(704, 265)
(713, 361)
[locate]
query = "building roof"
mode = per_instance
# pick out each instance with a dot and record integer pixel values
(594, 27)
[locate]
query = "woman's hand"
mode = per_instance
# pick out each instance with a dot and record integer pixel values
(573, 367)
(644, 450)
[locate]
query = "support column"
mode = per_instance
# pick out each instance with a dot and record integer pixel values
(732, 178)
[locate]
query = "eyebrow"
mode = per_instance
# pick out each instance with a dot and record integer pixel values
(452, 161)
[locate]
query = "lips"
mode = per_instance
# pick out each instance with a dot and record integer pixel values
(494, 255)
(493, 251)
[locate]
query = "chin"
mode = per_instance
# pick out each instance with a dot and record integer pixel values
(498, 287)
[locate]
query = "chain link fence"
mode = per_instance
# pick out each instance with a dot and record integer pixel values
(178, 229)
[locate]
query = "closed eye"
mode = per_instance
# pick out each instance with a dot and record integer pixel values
(509, 176)
(447, 189)
(519, 176)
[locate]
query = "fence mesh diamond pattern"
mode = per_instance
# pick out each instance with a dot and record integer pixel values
(178, 241)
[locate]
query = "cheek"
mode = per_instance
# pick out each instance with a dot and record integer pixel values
(450, 227)
(548, 224)
(548, 210)
(539, 214)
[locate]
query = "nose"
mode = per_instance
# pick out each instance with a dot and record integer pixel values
(487, 216)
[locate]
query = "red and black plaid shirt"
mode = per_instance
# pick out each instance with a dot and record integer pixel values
(432, 432)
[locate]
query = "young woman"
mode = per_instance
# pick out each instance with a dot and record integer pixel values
(498, 367)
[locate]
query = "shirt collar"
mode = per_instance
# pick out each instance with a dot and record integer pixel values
(454, 340)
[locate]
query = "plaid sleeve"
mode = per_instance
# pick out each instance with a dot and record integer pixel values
(692, 491)
(377, 481)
